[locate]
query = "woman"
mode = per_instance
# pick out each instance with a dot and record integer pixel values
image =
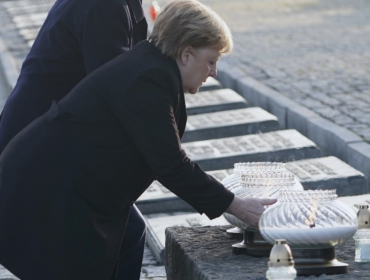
(83, 163)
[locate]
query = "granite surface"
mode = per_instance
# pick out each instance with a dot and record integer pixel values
(204, 253)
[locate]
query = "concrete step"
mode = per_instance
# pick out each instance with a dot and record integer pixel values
(229, 123)
(279, 146)
(214, 101)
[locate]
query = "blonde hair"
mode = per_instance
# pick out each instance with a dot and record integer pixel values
(184, 23)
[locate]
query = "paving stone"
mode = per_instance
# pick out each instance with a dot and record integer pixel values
(279, 146)
(344, 120)
(157, 224)
(229, 123)
(330, 113)
(213, 101)
(311, 103)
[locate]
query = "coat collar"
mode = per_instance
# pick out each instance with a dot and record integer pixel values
(136, 8)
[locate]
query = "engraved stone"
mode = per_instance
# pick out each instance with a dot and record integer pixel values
(229, 123)
(279, 146)
(213, 101)
(157, 224)
(329, 173)
(317, 173)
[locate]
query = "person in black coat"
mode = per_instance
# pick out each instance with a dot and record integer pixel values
(77, 37)
(82, 165)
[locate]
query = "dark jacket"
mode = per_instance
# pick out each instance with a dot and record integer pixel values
(84, 162)
(77, 37)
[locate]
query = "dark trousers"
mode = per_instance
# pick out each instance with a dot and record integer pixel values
(132, 249)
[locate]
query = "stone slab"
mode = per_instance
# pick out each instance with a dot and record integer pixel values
(8, 70)
(158, 199)
(329, 173)
(331, 137)
(210, 84)
(317, 173)
(279, 146)
(352, 201)
(359, 157)
(213, 101)
(228, 74)
(204, 253)
(229, 123)
(157, 224)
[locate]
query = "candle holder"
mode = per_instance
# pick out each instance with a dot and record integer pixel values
(362, 236)
(312, 222)
(256, 180)
(281, 264)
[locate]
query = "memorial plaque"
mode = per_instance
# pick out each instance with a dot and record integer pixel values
(210, 84)
(213, 101)
(329, 173)
(229, 123)
(317, 173)
(157, 224)
(279, 146)
(158, 199)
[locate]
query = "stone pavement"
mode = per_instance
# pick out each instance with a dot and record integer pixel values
(311, 54)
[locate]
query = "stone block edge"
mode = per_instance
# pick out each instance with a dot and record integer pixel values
(8, 66)
(338, 141)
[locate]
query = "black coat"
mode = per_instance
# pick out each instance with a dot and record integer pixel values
(77, 37)
(81, 165)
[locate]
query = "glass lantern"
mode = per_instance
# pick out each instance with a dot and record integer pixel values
(256, 180)
(312, 222)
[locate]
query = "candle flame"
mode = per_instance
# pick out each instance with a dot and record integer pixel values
(310, 221)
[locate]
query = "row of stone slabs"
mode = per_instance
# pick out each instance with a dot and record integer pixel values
(223, 129)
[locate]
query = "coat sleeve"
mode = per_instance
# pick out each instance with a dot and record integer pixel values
(147, 114)
(106, 33)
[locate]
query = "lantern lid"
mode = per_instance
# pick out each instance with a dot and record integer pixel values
(363, 216)
(280, 254)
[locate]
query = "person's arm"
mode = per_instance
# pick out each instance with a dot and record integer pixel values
(249, 210)
(147, 111)
(106, 33)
